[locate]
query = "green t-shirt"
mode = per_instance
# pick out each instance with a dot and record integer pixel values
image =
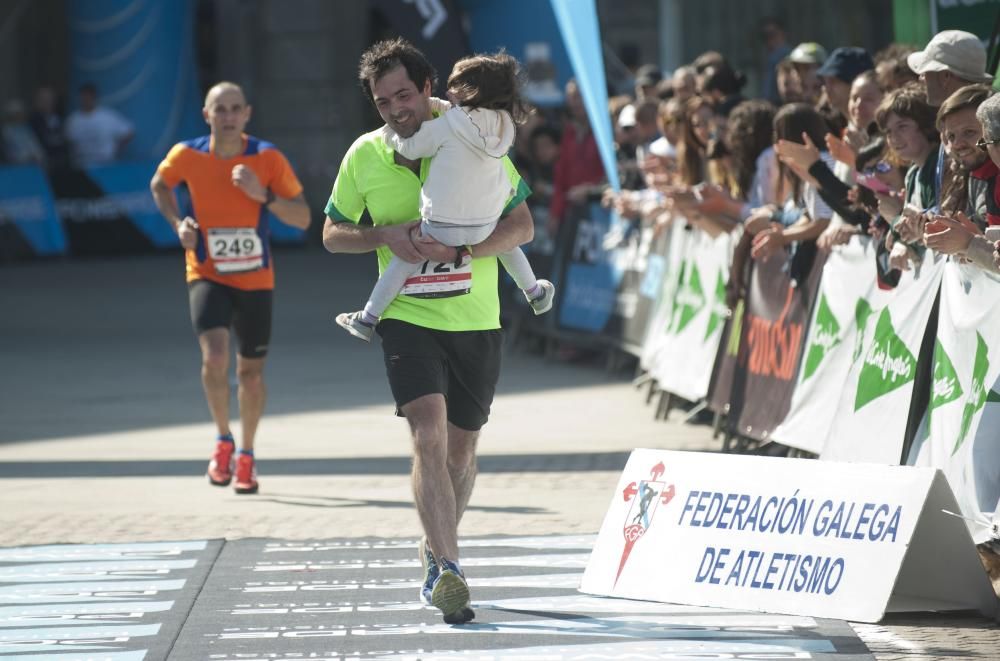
(370, 178)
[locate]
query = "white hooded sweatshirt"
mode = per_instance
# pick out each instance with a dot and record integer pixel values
(467, 183)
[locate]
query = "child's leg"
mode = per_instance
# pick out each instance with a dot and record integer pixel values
(389, 284)
(516, 264)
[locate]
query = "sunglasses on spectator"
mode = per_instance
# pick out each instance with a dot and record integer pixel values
(881, 167)
(983, 143)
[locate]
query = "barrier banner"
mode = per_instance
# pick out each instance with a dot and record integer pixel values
(641, 254)
(689, 338)
(108, 210)
(797, 536)
(870, 420)
(842, 304)
(720, 387)
(29, 225)
(592, 273)
(963, 418)
(662, 276)
(774, 330)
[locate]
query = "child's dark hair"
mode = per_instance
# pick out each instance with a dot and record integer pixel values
(491, 82)
(384, 56)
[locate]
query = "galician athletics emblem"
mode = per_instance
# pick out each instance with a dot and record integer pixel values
(645, 496)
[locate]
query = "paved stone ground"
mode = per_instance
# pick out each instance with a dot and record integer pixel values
(104, 433)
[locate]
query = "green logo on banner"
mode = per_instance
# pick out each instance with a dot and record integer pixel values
(945, 387)
(719, 310)
(825, 337)
(888, 364)
(861, 313)
(690, 298)
(977, 393)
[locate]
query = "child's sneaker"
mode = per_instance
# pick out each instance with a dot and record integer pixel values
(220, 468)
(543, 303)
(246, 474)
(451, 594)
(353, 323)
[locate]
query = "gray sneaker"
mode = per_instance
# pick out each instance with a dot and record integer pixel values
(353, 324)
(543, 303)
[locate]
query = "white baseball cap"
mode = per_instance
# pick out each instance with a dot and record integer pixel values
(955, 51)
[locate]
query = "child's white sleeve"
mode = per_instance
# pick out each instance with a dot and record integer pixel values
(422, 144)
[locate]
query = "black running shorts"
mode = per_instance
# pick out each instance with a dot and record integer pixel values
(463, 366)
(248, 313)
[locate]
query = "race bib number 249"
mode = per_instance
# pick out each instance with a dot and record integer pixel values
(235, 250)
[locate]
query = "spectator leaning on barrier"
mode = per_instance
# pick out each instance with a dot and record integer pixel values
(804, 215)
(908, 122)
(968, 183)
(96, 133)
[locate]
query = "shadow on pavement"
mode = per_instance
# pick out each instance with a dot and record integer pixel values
(93, 346)
(514, 463)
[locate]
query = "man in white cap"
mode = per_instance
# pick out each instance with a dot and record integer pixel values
(952, 60)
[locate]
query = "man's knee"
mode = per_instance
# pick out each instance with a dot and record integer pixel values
(250, 373)
(215, 359)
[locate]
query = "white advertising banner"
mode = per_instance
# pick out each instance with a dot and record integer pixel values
(963, 418)
(843, 304)
(870, 420)
(677, 246)
(796, 536)
(688, 338)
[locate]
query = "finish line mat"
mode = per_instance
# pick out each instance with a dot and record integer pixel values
(340, 600)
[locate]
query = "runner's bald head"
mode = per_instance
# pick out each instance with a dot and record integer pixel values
(221, 88)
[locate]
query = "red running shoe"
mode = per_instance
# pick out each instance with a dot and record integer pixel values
(246, 474)
(220, 468)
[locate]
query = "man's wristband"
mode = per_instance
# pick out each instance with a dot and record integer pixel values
(463, 256)
(269, 197)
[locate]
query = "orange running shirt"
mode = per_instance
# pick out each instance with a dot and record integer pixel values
(234, 239)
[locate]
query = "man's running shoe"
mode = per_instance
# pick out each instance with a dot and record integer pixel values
(220, 468)
(431, 571)
(450, 594)
(353, 323)
(246, 474)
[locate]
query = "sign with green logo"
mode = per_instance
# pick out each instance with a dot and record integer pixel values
(689, 299)
(946, 387)
(825, 336)
(888, 364)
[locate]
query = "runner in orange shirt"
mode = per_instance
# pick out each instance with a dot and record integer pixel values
(233, 180)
